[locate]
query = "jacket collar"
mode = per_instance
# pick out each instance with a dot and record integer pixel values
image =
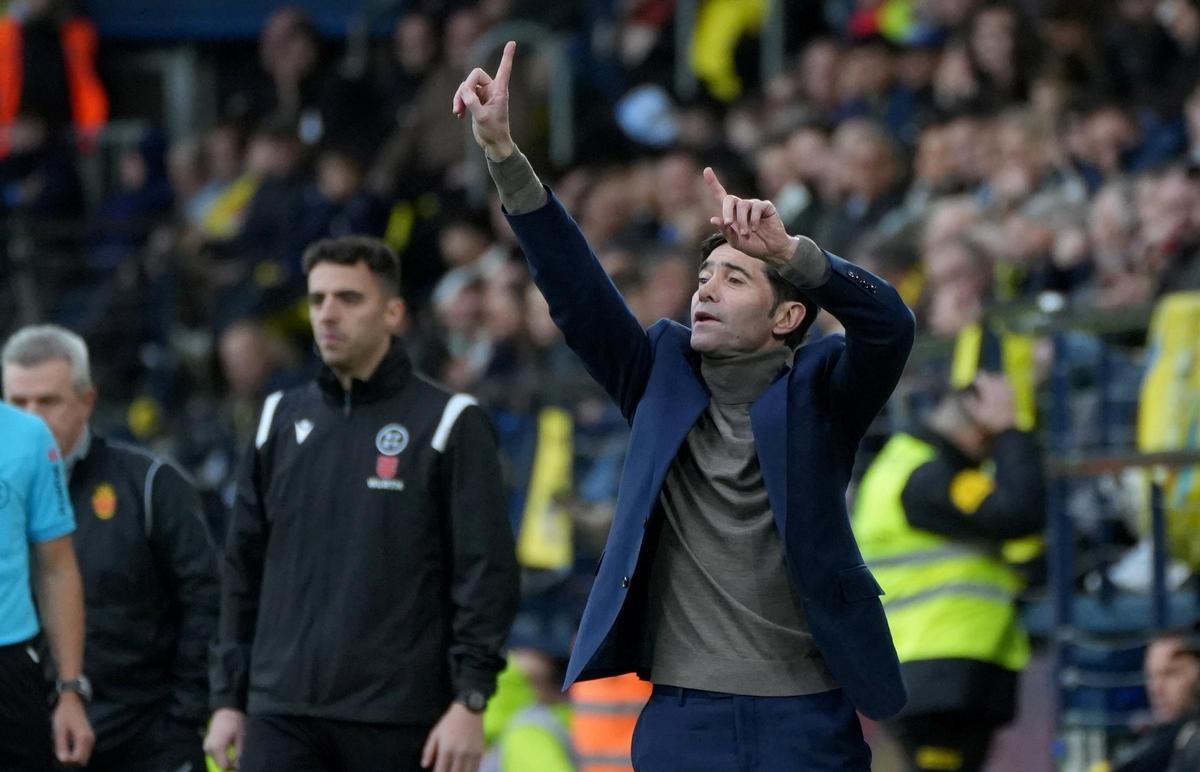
(393, 372)
(80, 462)
(83, 446)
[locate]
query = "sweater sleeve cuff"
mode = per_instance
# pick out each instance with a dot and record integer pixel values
(520, 189)
(808, 268)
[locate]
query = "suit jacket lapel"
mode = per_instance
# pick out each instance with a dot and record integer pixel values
(686, 399)
(768, 419)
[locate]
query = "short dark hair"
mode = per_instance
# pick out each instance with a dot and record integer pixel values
(1188, 637)
(782, 291)
(349, 250)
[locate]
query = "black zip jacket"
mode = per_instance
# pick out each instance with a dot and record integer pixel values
(369, 572)
(150, 589)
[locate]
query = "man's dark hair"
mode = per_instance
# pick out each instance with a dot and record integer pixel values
(783, 292)
(1188, 637)
(349, 250)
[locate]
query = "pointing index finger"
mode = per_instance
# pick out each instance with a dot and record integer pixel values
(505, 68)
(714, 184)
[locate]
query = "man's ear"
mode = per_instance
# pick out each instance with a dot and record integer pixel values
(396, 315)
(88, 396)
(788, 318)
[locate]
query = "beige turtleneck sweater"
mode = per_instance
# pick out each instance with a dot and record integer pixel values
(723, 613)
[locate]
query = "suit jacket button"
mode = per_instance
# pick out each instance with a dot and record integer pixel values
(624, 582)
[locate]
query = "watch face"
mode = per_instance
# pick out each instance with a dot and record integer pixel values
(474, 701)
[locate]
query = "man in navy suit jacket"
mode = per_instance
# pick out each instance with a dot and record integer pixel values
(731, 578)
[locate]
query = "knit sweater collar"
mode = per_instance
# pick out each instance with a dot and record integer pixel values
(739, 379)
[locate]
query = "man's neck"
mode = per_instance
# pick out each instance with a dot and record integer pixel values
(78, 450)
(364, 371)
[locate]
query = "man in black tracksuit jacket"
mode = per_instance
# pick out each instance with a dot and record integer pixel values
(147, 562)
(369, 574)
(151, 593)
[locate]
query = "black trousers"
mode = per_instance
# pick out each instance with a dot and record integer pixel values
(167, 745)
(303, 744)
(948, 742)
(25, 742)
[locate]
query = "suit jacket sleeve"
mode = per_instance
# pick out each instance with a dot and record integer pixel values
(484, 582)
(241, 586)
(585, 305)
(184, 550)
(879, 336)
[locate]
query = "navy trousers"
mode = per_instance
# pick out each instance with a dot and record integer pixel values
(689, 730)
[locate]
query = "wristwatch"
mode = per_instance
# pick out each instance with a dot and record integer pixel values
(474, 701)
(80, 685)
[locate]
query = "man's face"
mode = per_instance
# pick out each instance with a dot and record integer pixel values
(245, 358)
(1172, 677)
(819, 71)
(46, 390)
(731, 308)
(865, 164)
(413, 43)
(808, 153)
(935, 160)
(992, 39)
(353, 317)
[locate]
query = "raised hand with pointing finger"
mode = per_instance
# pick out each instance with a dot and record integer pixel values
(750, 225)
(486, 99)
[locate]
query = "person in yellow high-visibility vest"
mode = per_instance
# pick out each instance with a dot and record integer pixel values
(528, 721)
(932, 516)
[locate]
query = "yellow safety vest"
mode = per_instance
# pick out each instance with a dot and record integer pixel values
(546, 538)
(944, 599)
(1169, 418)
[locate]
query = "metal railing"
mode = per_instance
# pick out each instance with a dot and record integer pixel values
(1096, 638)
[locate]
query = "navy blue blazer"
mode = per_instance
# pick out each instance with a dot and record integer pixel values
(807, 426)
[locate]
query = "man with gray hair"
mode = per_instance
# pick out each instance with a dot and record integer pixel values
(147, 561)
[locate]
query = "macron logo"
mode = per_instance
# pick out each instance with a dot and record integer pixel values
(303, 428)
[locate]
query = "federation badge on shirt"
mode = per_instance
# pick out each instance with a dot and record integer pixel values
(104, 501)
(390, 441)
